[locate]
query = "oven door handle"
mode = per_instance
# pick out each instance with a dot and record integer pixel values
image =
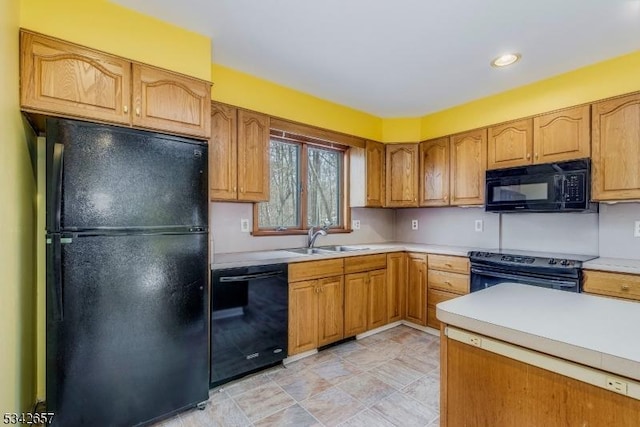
(246, 277)
(552, 282)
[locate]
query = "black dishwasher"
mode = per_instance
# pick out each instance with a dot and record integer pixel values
(249, 319)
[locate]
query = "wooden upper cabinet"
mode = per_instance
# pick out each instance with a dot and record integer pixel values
(238, 155)
(223, 153)
(69, 80)
(374, 173)
(510, 144)
(170, 102)
(468, 164)
(253, 156)
(616, 149)
(562, 135)
(434, 172)
(402, 175)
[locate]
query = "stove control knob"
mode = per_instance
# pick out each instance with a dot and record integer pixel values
(552, 261)
(564, 262)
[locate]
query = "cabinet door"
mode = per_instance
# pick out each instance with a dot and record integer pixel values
(303, 316)
(563, 135)
(417, 289)
(171, 102)
(616, 149)
(434, 172)
(468, 164)
(253, 156)
(355, 303)
(377, 305)
(69, 80)
(396, 286)
(330, 310)
(223, 150)
(374, 172)
(402, 175)
(510, 144)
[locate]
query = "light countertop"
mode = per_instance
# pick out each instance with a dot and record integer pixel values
(239, 259)
(591, 330)
(616, 265)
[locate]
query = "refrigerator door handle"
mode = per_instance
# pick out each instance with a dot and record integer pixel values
(56, 185)
(54, 276)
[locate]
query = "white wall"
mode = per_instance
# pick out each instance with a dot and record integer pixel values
(448, 226)
(616, 230)
(573, 233)
(376, 226)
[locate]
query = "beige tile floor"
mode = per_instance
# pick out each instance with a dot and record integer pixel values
(388, 379)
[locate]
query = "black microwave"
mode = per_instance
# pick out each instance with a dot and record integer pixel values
(549, 187)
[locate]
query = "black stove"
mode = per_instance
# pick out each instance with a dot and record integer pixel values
(550, 270)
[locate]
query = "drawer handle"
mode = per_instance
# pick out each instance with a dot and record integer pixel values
(447, 282)
(625, 287)
(448, 265)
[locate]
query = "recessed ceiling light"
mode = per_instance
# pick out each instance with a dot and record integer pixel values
(506, 59)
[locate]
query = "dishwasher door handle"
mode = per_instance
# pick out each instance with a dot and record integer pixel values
(244, 278)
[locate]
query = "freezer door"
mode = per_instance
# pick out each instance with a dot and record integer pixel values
(132, 341)
(101, 176)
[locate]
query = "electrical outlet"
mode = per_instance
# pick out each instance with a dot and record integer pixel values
(414, 224)
(479, 225)
(636, 229)
(244, 225)
(475, 341)
(355, 224)
(616, 385)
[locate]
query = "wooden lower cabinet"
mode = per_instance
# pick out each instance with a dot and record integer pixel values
(619, 285)
(365, 300)
(480, 388)
(416, 298)
(316, 315)
(448, 278)
(396, 286)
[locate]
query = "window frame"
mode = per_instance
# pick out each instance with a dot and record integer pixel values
(305, 143)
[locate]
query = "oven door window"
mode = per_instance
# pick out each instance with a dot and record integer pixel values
(482, 279)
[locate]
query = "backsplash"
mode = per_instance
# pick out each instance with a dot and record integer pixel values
(572, 233)
(448, 226)
(376, 226)
(608, 234)
(616, 224)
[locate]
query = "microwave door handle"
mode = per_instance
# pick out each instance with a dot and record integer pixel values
(553, 282)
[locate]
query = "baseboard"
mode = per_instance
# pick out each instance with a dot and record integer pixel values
(378, 330)
(426, 329)
(299, 356)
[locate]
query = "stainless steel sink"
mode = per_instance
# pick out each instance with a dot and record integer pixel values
(342, 248)
(308, 251)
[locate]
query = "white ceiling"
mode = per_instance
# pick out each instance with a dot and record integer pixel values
(404, 58)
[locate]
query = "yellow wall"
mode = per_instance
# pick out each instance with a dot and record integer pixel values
(17, 187)
(112, 28)
(601, 80)
(401, 130)
(237, 88)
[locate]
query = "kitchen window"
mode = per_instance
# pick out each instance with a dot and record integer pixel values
(307, 186)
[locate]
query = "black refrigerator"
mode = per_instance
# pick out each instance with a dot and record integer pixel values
(127, 289)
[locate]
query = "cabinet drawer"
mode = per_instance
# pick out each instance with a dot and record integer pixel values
(315, 269)
(612, 284)
(365, 263)
(452, 282)
(435, 296)
(456, 264)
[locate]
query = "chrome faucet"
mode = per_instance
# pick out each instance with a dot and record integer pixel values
(314, 235)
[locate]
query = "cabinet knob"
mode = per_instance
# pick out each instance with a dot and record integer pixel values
(536, 156)
(137, 111)
(242, 189)
(528, 156)
(447, 282)
(448, 264)
(235, 189)
(624, 287)
(125, 109)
